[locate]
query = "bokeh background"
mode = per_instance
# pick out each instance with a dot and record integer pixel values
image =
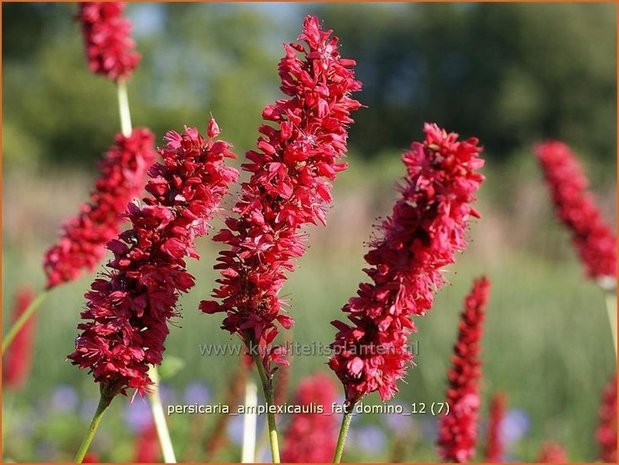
(511, 74)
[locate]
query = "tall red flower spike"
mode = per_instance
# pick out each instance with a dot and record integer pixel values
(494, 442)
(607, 430)
(575, 207)
(128, 309)
(311, 437)
(107, 39)
(457, 435)
(289, 188)
(552, 452)
(425, 230)
(82, 243)
(17, 363)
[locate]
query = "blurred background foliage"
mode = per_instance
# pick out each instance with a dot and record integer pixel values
(507, 73)
(510, 74)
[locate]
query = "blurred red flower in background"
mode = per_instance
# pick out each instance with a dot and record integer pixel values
(575, 207)
(458, 429)
(16, 366)
(107, 39)
(311, 437)
(81, 245)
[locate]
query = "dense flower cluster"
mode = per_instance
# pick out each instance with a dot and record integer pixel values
(128, 309)
(576, 208)
(494, 441)
(16, 366)
(289, 188)
(311, 437)
(607, 430)
(425, 230)
(107, 38)
(82, 243)
(458, 429)
(552, 452)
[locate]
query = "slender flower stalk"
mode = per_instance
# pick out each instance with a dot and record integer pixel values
(104, 402)
(494, 442)
(128, 308)
(311, 436)
(458, 428)
(16, 366)
(289, 188)
(248, 451)
(341, 438)
(606, 433)
(425, 230)
(552, 452)
(107, 39)
(123, 107)
(161, 427)
(575, 207)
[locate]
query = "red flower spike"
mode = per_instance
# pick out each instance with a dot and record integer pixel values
(494, 441)
(128, 309)
(458, 429)
(82, 243)
(107, 39)
(311, 437)
(288, 189)
(425, 230)
(575, 207)
(552, 452)
(606, 433)
(18, 357)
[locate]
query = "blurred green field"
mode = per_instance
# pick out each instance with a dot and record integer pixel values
(547, 343)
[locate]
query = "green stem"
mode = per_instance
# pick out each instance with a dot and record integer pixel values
(123, 108)
(104, 403)
(341, 439)
(267, 388)
(21, 321)
(160, 423)
(611, 307)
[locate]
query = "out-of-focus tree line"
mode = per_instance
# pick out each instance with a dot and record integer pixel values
(507, 73)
